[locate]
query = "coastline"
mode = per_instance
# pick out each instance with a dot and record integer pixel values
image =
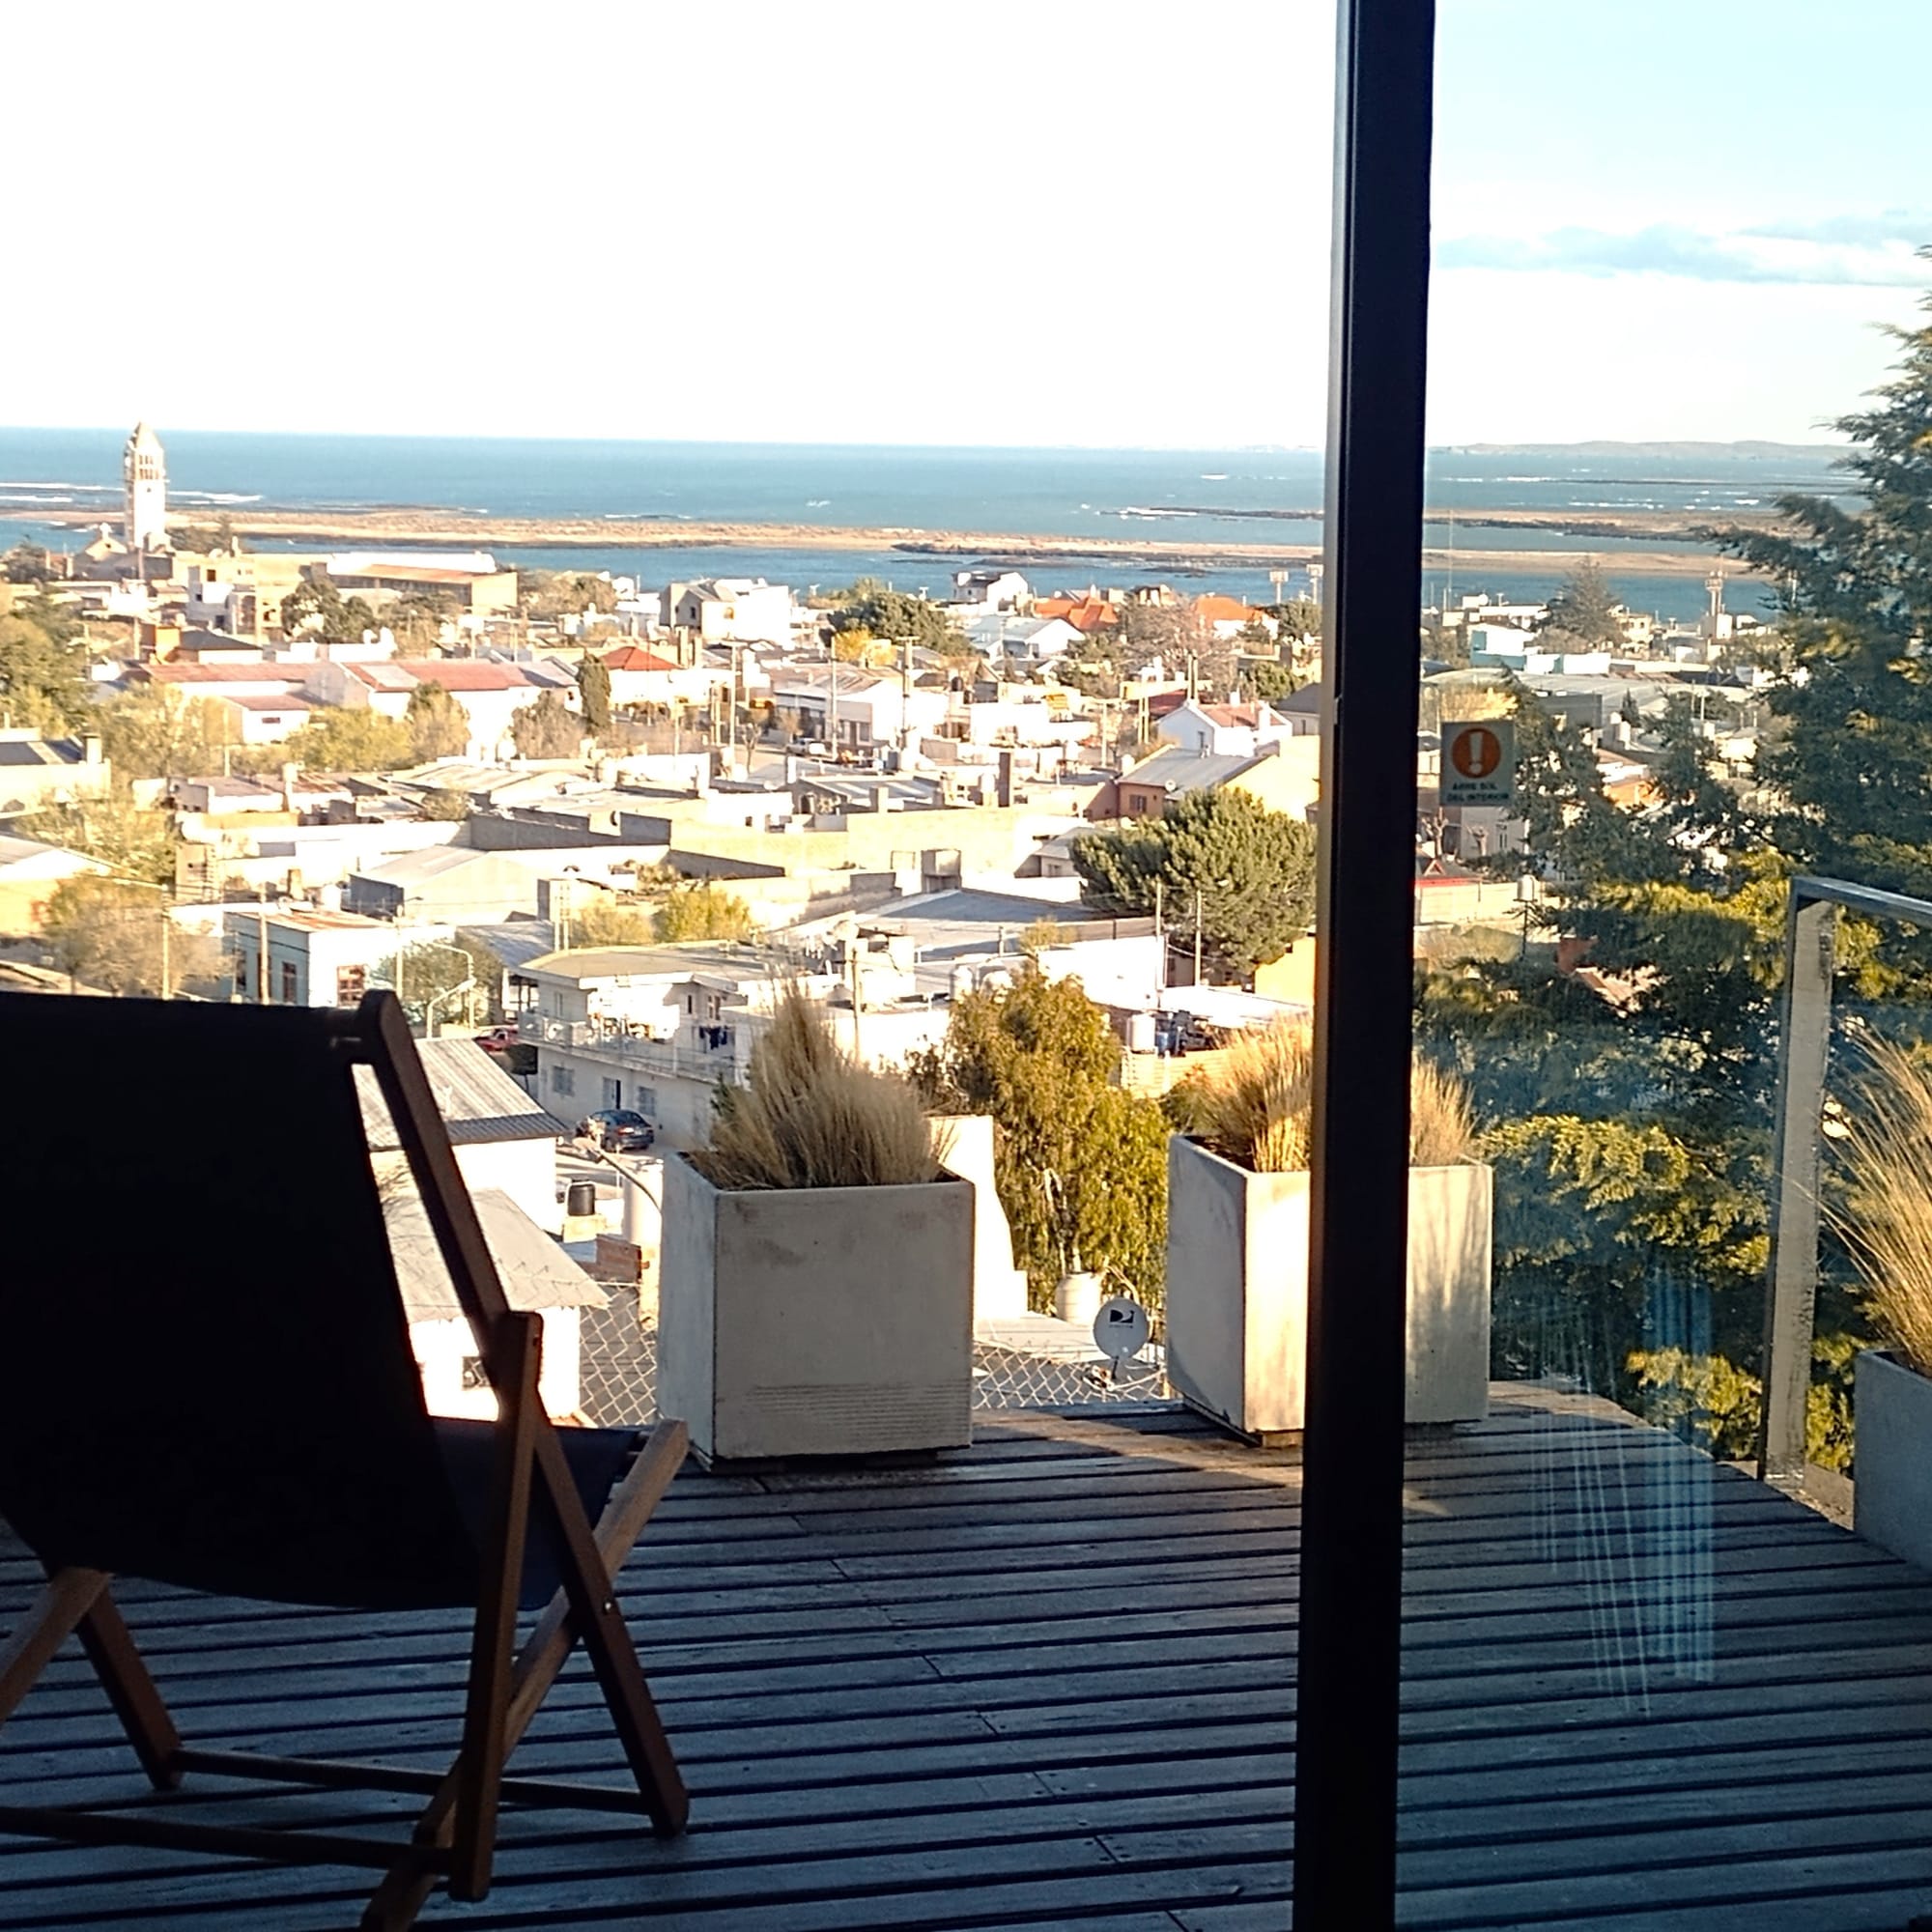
(427, 526)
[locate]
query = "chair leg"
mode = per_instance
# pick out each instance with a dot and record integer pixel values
(403, 1893)
(64, 1598)
(136, 1700)
(600, 1624)
(479, 1765)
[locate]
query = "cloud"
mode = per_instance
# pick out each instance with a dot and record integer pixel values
(1753, 255)
(1910, 225)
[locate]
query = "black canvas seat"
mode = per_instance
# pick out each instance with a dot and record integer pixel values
(208, 1381)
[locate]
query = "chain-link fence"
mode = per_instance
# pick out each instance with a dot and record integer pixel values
(619, 1362)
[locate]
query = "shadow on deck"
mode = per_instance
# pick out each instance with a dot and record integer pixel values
(1050, 1683)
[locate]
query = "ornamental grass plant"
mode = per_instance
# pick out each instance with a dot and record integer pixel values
(1254, 1105)
(1885, 1220)
(811, 1116)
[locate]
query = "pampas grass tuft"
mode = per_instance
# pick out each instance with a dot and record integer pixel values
(811, 1116)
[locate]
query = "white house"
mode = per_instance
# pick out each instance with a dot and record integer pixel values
(1025, 640)
(1223, 730)
(855, 708)
(37, 771)
(640, 676)
(506, 1148)
(316, 958)
(727, 609)
(256, 720)
(979, 593)
(490, 693)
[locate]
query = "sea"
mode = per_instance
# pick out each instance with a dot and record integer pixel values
(1210, 496)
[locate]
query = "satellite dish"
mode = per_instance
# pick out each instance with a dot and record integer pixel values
(1122, 1328)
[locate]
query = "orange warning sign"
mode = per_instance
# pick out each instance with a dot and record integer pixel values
(1479, 762)
(1476, 752)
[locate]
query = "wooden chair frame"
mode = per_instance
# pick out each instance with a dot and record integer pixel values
(454, 1838)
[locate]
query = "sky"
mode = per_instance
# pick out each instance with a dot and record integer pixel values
(1100, 222)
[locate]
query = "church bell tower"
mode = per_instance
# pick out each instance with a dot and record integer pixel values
(144, 471)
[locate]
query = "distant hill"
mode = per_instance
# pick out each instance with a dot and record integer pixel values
(1748, 450)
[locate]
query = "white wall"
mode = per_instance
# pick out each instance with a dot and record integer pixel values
(440, 1346)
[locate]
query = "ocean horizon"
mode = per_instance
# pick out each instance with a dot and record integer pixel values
(1215, 495)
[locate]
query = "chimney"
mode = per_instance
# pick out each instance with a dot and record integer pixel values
(290, 771)
(1004, 791)
(90, 748)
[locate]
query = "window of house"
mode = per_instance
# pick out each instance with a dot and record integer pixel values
(287, 983)
(351, 984)
(562, 1080)
(613, 1093)
(645, 1100)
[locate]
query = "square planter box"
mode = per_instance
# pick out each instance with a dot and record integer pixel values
(815, 1321)
(1238, 1291)
(1891, 1477)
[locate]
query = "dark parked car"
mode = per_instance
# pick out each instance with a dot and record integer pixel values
(618, 1130)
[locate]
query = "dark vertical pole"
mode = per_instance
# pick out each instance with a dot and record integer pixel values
(1350, 1615)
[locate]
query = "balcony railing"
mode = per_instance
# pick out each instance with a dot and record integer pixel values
(684, 1057)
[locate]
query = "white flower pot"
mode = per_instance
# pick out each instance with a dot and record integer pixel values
(815, 1321)
(1892, 1476)
(1237, 1291)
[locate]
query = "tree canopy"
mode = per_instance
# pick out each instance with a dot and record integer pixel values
(316, 608)
(1081, 1165)
(546, 730)
(698, 911)
(109, 934)
(1851, 767)
(897, 617)
(1253, 871)
(1584, 612)
(593, 691)
(437, 722)
(44, 684)
(345, 738)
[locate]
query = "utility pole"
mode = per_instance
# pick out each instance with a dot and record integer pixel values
(262, 949)
(166, 963)
(1196, 935)
(858, 995)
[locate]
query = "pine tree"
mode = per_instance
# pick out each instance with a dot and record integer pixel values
(1853, 765)
(593, 685)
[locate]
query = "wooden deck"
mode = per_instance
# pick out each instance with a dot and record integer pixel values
(1051, 1685)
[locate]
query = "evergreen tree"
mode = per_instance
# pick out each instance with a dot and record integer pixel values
(593, 690)
(1584, 612)
(1851, 765)
(43, 682)
(1253, 871)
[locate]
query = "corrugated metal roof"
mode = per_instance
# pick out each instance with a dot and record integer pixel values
(478, 1100)
(535, 1270)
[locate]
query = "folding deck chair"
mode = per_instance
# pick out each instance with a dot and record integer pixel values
(206, 1380)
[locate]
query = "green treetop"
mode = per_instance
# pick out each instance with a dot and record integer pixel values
(1081, 1166)
(1253, 871)
(1851, 767)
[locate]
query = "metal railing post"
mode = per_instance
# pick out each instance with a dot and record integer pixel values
(1791, 1289)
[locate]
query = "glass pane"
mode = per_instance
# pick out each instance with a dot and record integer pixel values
(1642, 1686)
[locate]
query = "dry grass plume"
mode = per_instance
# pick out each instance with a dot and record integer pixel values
(811, 1116)
(1255, 1105)
(1885, 1222)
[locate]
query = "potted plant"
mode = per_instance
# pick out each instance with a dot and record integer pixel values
(1885, 1220)
(1237, 1240)
(816, 1287)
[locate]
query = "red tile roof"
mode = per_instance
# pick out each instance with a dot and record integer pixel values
(634, 657)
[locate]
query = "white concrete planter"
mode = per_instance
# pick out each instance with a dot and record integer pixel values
(1891, 1477)
(815, 1321)
(1237, 1291)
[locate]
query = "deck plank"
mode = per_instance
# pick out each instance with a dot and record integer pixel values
(1049, 1682)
